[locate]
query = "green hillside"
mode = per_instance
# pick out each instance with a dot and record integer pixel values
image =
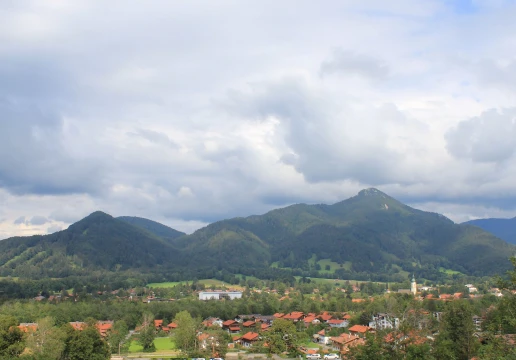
(153, 227)
(369, 236)
(98, 241)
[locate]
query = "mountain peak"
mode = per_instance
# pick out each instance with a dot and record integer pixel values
(371, 192)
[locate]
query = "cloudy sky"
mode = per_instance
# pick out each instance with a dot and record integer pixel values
(194, 111)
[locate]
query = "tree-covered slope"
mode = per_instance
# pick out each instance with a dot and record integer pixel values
(98, 241)
(372, 231)
(152, 226)
(503, 228)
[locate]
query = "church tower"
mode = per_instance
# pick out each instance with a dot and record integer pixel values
(413, 285)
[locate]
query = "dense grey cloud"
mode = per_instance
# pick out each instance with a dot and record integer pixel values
(19, 221)
(38, 220)
(191, 112)
(491, 137)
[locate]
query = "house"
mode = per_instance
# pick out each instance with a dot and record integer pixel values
(264, 327)
(212, 321)
(28, 327)
(334, 323)
(266, 319)
(321, 338)
(325, 316)
(295, 316)
(248, 339)
(382, 321)
(104, 326)
(219, 295)
(207, 340)
(158, 324)
(311, 319)
(78, 325)
(249, 324)
(343, 342)
(360, 330)
(226, 324)
(278, 315)
(172, 326)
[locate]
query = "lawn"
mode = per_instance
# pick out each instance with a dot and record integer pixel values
(164, 343)
(163, 284)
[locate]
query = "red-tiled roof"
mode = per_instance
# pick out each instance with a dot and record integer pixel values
(325, 317)
(347, 317)
(278, 315)
(359, 328)
(172, 325)
(335, 321)
(28, 327)
(294, 315)
(309, 319)
(249, 323)
(234, 328)
(77, 325)
(250, 336)
(158, 323)
(265, 326)
(228, 322)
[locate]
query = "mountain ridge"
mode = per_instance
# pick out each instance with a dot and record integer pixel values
(504, 229)
(375, 235)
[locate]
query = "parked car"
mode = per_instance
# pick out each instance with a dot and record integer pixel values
(313, 356)
(331, 356)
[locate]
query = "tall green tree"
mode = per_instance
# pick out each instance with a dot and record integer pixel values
(186, 333)
(86, 344)
(48, 341)
(456, 340)
(147, 333)
(117, 337)
(283, 336)
(11, 338)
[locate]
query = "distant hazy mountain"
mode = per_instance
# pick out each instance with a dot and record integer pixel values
(152, 226)
(503, 228)
(369, 236)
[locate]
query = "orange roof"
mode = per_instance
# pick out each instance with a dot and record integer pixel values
(357, 300)
(26, 327)
(278, 315)
(203, 336)
(250, 336)
(294, 315)
(325, 317)
(321, 333)
(343, 338)
(172, 325)
(309, 319)
(234, 328)
(265, 326)
(335, 321)
(347, 317)
(236, 338)
(359, 328)
(78, 325)
(158, 323)
(249, 323)
(228, 322)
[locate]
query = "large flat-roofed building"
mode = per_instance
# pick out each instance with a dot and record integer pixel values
(219, 295)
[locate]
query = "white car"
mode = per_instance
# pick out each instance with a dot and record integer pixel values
(313, 356)
(331, 356)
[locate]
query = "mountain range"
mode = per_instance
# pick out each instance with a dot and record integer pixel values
(370, 235)
(503, 228)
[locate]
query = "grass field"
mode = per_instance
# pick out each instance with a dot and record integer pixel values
(207, 282)
(336, 281)
(449, 271)
(161, 344)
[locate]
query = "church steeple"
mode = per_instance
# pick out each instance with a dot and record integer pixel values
(413, 285)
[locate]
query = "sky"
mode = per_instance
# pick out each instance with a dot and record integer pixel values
(189, 112)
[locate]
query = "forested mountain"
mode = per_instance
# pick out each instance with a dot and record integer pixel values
(98, 241)
(370, 233)
(503, 228)
(152, 226)
(369, 236)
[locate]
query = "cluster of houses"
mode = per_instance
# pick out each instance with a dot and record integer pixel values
(103, 327)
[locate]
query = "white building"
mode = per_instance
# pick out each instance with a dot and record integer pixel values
(384, 321)
(219, 295)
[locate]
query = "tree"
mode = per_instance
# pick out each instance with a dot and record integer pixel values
(456, 332)
(147, 333)
(282, 337)
(186, 333)
(117, 336)
(48, 341)
(86, 344)
(11, 338)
